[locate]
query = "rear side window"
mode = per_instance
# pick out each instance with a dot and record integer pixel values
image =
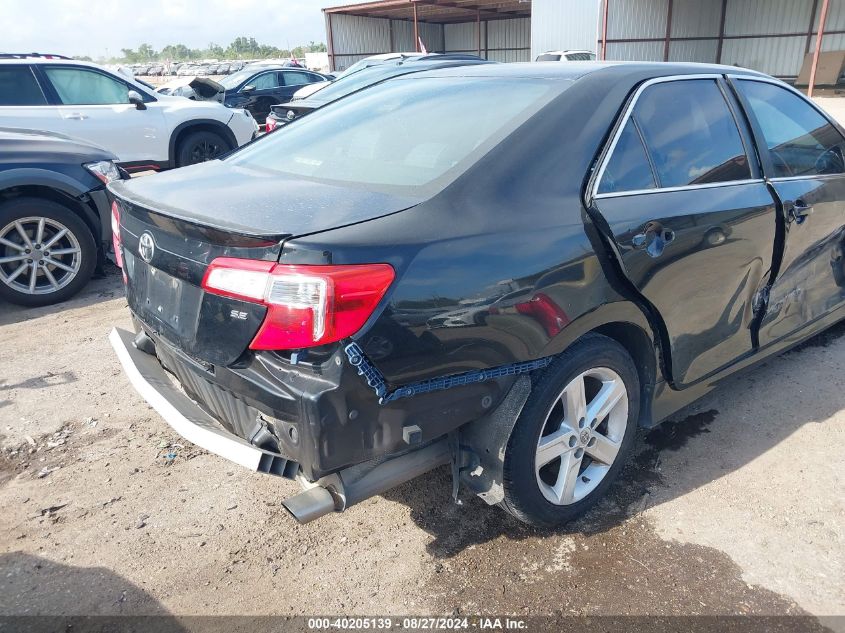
(80, 86)
(403, 136)
(691, 134)
(801, 141)
(628, 168)
(548, 57)
(18, 87)
(296, 79)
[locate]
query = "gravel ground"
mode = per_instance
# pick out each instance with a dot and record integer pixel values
(733, 507)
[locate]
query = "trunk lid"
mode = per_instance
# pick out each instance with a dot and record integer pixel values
(256, 202)
(173, 225)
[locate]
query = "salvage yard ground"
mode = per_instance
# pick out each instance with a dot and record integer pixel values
(734, 506)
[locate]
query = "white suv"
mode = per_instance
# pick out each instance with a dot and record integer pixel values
(144, 129)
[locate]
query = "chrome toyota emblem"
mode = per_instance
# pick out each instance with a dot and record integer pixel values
(585, 436)
(146, 247)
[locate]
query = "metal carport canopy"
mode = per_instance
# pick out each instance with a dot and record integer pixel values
(438, 11)
(432, 12)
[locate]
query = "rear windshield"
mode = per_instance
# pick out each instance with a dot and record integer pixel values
(402, 136)
(548, 57)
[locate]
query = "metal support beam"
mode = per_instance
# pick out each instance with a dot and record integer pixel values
(669, 6)
(819, 37)
(721, 41)
(604, 30)
(416, 30)
(331, 42)
(477, 31)
(810, 28)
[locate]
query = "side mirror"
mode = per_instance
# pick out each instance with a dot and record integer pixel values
(248, 89)
(136, 99)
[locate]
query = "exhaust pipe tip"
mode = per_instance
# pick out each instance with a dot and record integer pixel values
(310, 504)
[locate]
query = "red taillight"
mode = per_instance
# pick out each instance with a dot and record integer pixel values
(270, 124)
(306, 305)
(115, 237)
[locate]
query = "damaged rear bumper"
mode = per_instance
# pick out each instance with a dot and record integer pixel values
(333, 493)
(186, 417)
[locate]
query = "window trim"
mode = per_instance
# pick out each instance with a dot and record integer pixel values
(749, 112)
(623, 121)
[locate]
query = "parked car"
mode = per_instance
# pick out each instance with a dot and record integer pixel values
(223, 69)
(364, 77)
(566, 56)
(143, 129)
(381, 58)
(55, 226)
(256, 88)
(290, 287)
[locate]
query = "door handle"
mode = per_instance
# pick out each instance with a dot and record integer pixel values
(653, 239)
(800, 210)
(76, 116)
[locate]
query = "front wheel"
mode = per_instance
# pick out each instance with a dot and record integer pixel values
(47, 253)
(573, 435)
(198, 147)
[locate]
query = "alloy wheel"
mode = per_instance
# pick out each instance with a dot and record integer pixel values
(205, 151)
(38, 255)
(581, 436)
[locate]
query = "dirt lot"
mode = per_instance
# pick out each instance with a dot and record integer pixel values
(734, 507)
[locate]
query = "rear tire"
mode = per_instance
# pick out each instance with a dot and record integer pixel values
(201, 146)
(47, 252)
(574, 433)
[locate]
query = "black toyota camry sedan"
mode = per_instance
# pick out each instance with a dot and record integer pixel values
(502, 268)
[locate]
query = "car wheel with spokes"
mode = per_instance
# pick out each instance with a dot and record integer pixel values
(47, 253)
(200, 147)
(574, 433)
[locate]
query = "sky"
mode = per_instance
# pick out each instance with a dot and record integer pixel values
(100, 28)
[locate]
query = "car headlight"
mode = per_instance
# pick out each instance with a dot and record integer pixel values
(105, 170)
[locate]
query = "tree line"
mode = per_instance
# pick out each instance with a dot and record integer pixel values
(240, 48)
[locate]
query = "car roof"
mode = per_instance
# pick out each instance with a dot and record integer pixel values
(47, 60)
(567, 51)
(577, 70)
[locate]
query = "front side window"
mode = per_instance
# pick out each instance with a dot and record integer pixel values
(801, 141)
(401, 136)
(80, 86)
(691, 134)
(18, 87)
